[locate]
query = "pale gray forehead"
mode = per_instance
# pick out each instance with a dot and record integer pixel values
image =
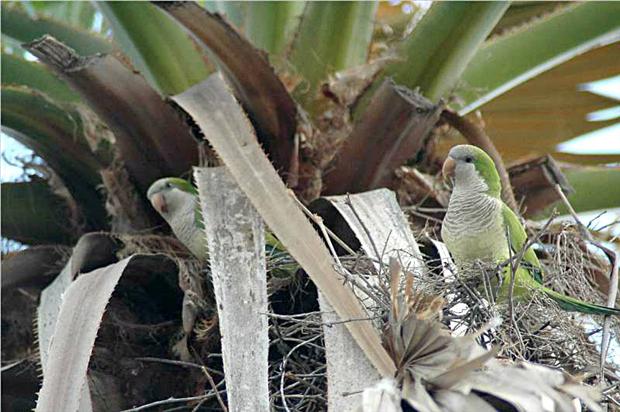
(461, 151)
(158, 186)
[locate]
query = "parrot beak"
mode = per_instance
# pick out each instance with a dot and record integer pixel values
(159, 203)
(448, 169)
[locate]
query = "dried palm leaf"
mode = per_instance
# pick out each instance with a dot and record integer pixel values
(439, 372)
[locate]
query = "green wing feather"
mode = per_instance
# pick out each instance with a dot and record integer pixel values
(518, 240)
(533, 268)
(575, 305)
(198, 221)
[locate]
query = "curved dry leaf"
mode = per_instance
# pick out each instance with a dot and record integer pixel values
(80, 315)
(416, 395)
(222, 119)
(256, 85)
(81, 311)
(151, 138)
(528, 387)
(459, 373)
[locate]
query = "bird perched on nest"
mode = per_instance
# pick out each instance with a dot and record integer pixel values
(480, 227)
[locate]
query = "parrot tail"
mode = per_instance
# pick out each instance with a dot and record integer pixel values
(575, 305)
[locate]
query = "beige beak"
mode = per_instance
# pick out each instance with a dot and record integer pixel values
(159, 203)
(448, 169)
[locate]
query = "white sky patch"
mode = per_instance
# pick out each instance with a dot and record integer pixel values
(607, 87)
(604, 114)
(11, 149)
(30, 57)
(602, 141)
(592, 325)
(98, 22)
(605, 140)
(407, 8)
(599, 219)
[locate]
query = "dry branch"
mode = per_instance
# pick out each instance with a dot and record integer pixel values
(215, 110)
(393, 129)
(150, 136)
(257, 87)
(414, 187)
(534, 183)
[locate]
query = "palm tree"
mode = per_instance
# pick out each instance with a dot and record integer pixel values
(345, 97)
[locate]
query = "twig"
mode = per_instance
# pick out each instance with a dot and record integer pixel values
(169, 401)
(190, 365)
(11, 365)
(517, 258)
(170, 362)
(613, 277)
(476, 136)
(330, 245)
(424, 215)
(514, 265)
(379, 256)
(361, 222)
(426, 209)
(214, 387)
(315, 218)
(338, 322)
(283, 367)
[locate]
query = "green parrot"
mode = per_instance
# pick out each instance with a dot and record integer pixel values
(176, 200)
(478, 226)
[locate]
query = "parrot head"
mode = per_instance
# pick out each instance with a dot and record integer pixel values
(171, 194)
(469, 167)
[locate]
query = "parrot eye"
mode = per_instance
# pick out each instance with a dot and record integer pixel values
(469, 159)
(168, 185)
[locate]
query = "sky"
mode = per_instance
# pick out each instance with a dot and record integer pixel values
(602, 141)
(9, 165)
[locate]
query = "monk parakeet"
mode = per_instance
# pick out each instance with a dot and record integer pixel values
(480, 227)
(176, 200)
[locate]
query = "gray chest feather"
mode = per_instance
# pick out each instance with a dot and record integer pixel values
(473, 229)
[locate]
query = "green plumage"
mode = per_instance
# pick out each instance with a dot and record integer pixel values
(480, 227)
(518, 240)
(176, 200)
